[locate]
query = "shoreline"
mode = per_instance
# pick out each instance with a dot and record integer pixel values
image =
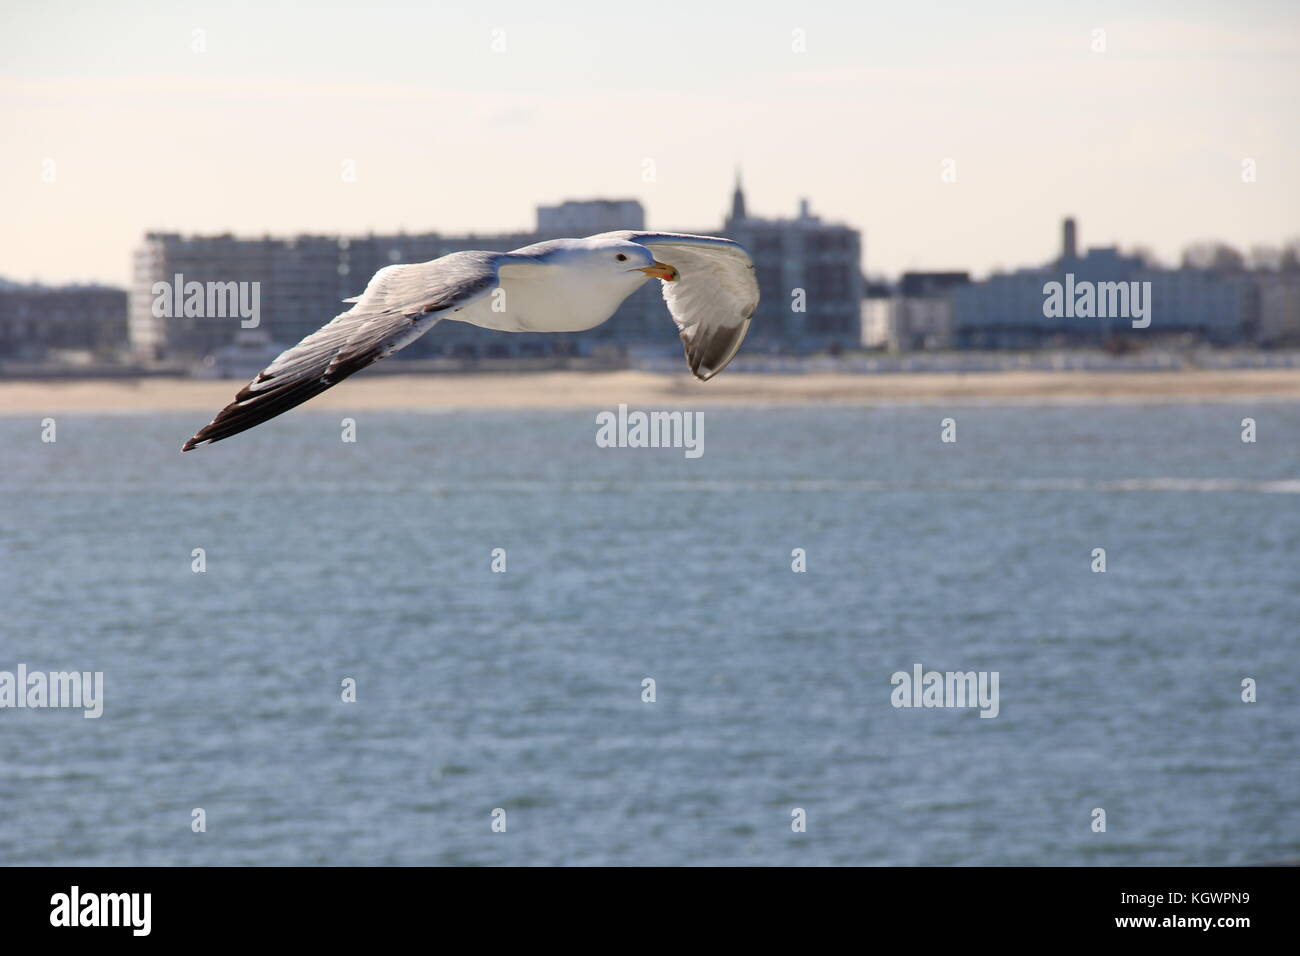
(569, 389)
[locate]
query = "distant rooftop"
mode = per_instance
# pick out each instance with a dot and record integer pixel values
(8, 285)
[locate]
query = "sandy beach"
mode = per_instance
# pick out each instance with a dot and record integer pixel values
(650, 390)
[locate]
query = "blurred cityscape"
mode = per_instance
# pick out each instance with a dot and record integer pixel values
(816, 302)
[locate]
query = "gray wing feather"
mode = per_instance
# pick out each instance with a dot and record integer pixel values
(712, 299)
(399, 305)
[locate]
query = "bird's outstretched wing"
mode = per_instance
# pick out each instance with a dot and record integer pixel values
(399, 305)
(711, 300)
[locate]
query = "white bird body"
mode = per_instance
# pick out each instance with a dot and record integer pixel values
(562, 294)
(561, 285)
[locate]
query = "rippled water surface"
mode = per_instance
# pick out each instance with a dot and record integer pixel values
(523, 690)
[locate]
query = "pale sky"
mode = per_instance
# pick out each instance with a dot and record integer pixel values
(1144, 143)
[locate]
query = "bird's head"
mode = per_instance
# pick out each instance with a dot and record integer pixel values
(620, 257)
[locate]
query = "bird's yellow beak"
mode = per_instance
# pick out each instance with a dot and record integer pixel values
(660, 270)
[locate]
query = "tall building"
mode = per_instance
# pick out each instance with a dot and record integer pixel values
(809, 276)
(167, 259)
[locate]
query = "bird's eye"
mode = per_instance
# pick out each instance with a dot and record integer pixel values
(622, 258)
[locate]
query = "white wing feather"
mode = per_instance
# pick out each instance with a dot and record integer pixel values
(712, 299)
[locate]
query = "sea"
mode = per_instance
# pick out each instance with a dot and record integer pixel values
(480, 638)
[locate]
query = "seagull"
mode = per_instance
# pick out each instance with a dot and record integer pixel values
(560, 285)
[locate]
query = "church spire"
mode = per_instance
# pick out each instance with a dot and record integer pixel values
(738, 201)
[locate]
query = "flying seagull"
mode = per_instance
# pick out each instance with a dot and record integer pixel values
(561, 285)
